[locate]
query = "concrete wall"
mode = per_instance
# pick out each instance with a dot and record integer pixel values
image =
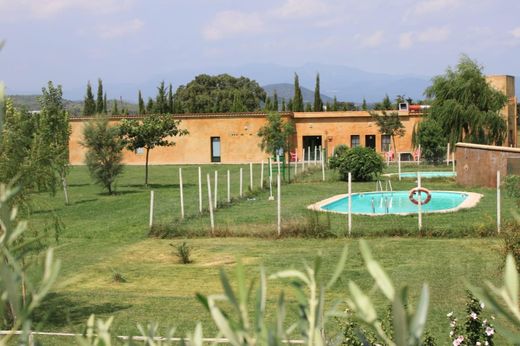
(506, 84)
(239, 140)
(477, 165)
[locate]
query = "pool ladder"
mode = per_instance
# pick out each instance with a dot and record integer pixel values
(387, 201)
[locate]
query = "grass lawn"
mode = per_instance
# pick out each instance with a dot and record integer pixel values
(104, 235)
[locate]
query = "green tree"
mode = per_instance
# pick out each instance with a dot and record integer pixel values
(161, 102)
(308, 107)
(283, 105)
(386, 104)
(275, 101)
(297, 101)
(238, 105)
(104, 152)
(364, 163)
(99, 100)
(466, 107)
(364, 105)
(276, 134)
(389, 124)
(318, 103)
(210, 94)
(335, 104)
(140, 102)
(170, 98)
(150, 107)
(290, 105)
(115, 111)
(105, 107)
(89, 105)
(153, 131)
(429, 134)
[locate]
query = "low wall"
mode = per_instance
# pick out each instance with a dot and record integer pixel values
(477, 164)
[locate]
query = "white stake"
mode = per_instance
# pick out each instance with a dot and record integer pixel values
(262, 176)
(315, 155)
(250, 176)
(216, 191)
(498, 201)
(65, 192)
(419, 198)
(303, 160)
(212, 221)
(151, 209)
(182, 193)
(295, 163)
(279, 206)
(228, 187)
(270, 167)
(278, 163)
(419, 154)
(399, 164)
(448, 155)
(308, 156)
(349, 203)
(322, 168)
(453, 162)
(241, 178)
(200, 190)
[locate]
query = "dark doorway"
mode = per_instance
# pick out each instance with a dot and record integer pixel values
(370, 141)
(313, 143)
(215, 149)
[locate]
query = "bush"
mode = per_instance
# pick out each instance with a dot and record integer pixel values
(363, 163)
(183, 251)
(433, 142)
(512, 187)
(511, 237)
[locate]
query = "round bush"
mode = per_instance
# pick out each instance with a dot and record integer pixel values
(363, 163)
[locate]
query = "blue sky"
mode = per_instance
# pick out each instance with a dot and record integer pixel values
(134, 41)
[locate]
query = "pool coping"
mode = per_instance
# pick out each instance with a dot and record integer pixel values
(470, 202)
(422, 177)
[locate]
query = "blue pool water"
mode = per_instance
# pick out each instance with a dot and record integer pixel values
(396, 202)
(429, 175)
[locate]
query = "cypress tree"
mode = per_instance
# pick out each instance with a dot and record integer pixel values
(328, 106)
(275, 101)
(140, 101)
(89, 105)
(150, 106)
(308, 107)
(105, 108)
(268, 106)
(115, 111)
(335, 104)
(387, 104)
(170, 99)
(283, 105)
(297, 102)
(318, 103)
(290, 105)
(99, 100)
(160, 99)
(364, 105)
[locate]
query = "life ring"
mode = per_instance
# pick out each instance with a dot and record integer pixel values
(413, 191)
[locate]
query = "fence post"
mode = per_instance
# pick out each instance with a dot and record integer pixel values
(250, 176)
(349, 203)
(498, 202)
(228, 187)
(303, 160)
(315, 155)
(241, 178)
(181, 192)
(279, 206)
(212, 221)
(399, 164)
(262, 176)
(419, 198)
(216, 191)
(295, 163)
(151, 209)
(453, 162)
(200, 191)
(448, 155)
(322, 167)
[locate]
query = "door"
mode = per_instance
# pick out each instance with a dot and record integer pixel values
(312, 145)
(370, 141)
(215, 149)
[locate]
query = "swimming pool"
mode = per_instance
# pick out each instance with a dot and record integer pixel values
(424, 175)
(397, 202)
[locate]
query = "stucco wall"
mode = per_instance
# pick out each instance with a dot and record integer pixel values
(477, 165)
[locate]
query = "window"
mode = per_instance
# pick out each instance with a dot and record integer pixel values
(354, 141)
(215, 149)
(385, 143)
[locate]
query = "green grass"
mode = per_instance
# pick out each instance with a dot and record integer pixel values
(106, 234)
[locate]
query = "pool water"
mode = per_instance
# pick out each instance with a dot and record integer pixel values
(397, 202)
(429, 175)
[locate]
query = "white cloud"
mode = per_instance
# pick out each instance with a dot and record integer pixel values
(302, 8)
(373, 40)
(434, 34)
(428, 7)
(117, 30)
(516, 32)
(46, 9)
(233, 23)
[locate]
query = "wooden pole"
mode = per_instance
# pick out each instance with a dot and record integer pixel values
(200, 190)
(498, 202)
(315, 155)
(322, 167)
(399, 164)
(228, 187)
(279, 206)
(278, 163)
(241, 179)
(181, 192)
(262, 176)
(448, 155)
(151, 209)
(270, 167)
(250, 176)
(303, 160)
(212, 221)
(349, 203)
(309, 156)
(216, 191)
(453, 162)
(295, 163)
(419, 198)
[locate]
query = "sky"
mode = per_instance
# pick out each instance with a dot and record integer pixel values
(134, 41)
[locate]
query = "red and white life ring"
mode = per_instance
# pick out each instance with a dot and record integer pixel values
(417, 190)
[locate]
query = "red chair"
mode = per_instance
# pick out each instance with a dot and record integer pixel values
(389, 155)
(417, 154)
(293, 157)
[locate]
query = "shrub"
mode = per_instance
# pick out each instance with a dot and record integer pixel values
(512, 187)
(511, 237)
(433, 142)
(183, 252)
(363, 163)
(118, 277)
(312, 227)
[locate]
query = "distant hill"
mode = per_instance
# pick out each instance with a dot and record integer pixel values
(286, 91)
(31, 103)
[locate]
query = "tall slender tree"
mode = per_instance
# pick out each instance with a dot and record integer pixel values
(161, 102)
(335, 105)
(297, 102)
(364, 105)
(140, 101)
(150, 107)
(99, 100)
(89, 105)
(105, 107)
(283, 105)
(170, 99)
(275, 101)
(386, 104)
(115, 110)
(318, 103)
